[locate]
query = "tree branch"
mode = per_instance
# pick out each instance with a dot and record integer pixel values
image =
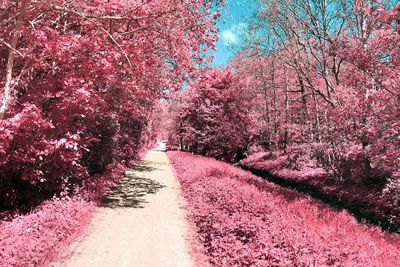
(10, 64)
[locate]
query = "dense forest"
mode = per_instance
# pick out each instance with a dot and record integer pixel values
(311, 98)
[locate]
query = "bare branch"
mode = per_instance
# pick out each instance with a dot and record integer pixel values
(11, 48)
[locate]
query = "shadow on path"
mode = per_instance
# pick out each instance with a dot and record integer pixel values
(132, 189)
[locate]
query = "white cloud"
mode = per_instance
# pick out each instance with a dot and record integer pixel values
(231, 35)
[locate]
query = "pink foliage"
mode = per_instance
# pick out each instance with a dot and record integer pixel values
(86, 82)
(244, 221)
(36, 238)
(325, 95)
(213, 116)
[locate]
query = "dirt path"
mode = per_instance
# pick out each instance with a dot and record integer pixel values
(141, 223)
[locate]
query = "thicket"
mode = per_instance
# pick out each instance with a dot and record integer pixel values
(81, 82)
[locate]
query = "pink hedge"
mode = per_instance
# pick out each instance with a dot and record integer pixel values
(36, 238)
(245, 221)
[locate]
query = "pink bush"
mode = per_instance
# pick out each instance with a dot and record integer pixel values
(244, 221)
(94, 189)
(34, 239)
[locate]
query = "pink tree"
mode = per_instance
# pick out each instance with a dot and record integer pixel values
(81, 82)
(214, 116)
(327, 77)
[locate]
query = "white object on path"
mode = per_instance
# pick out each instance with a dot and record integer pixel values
(161, 146)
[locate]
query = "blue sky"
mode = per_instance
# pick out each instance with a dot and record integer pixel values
(232, 21)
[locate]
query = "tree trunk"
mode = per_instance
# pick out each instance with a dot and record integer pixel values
(275, 109)
(267, 118)
(286, 113)
(10, 63)
(317, 117)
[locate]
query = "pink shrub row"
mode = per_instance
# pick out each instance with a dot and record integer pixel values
(245, 221)
(36, 238)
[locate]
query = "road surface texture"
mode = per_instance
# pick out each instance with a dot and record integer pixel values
(141, 222)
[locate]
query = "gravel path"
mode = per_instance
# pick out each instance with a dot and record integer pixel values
(140, 224)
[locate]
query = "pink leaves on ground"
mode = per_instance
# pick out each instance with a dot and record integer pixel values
(34, 239)
(244, 221)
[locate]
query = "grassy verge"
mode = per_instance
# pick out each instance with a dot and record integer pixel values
(245, 221)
